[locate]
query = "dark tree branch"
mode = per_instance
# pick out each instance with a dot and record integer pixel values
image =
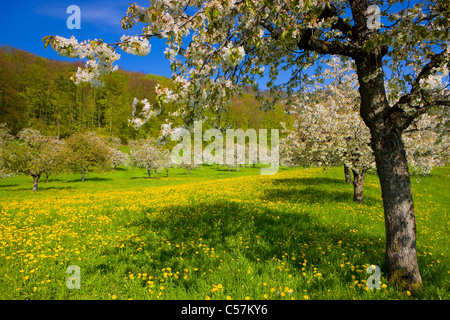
(427, 70)
(310, 43)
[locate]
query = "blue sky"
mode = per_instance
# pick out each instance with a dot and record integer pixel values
(25, 22)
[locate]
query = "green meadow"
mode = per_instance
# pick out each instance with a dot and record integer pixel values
(212, 235)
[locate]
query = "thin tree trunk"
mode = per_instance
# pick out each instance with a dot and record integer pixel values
(35, 185)
(358, 183)
(82, 173)
(149, 173)
(348, 174)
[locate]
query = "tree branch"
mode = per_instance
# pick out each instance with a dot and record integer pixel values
(310, 43)
(435, 61)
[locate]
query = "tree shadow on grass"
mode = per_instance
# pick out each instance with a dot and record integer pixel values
(260, 234)
(41, 188)
(308, 181)
(314, 190)
(255, 235)
(306, 195)
(8, 185)
(87, 179)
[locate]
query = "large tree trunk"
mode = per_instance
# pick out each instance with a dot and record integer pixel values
(400, 222)
(386, 125)
(358, 183)
(348, 174)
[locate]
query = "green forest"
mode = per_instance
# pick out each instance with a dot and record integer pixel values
(37, 92)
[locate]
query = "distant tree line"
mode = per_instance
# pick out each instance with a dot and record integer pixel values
(37, 93)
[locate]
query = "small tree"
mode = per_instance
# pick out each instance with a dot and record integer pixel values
(166, 160)
(33, 155)
(145, 154)
(118, 157)
(85, 149)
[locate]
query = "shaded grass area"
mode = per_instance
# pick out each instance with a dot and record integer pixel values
(294, 235)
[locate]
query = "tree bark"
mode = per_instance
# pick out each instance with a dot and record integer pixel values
(348, 174)
(35, 185)
(82, 173)
(149, 173)
(358, 183)
(386, 125)
(400, 222)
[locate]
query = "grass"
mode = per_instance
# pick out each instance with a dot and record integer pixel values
(210, 235)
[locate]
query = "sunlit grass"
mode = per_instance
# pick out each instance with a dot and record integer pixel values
(210, 235)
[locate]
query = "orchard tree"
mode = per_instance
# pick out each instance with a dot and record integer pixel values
(187, 163)
(218, 47)
(329, 131)
(118, 157)
(85, 149)
(146, 154)
(336, 134)
(33, 155)
(427, 141)
(165, 160)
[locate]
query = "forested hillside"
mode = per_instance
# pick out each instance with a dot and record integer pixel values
(37, 92)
